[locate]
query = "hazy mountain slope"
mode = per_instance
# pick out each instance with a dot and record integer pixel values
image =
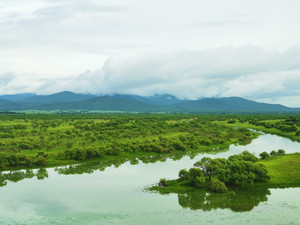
(107, 103)
(230, 104)
(6, 105)
(153, 100)
(64, 96)
(17, 97)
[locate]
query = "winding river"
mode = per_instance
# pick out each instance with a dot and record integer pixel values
(114, 194)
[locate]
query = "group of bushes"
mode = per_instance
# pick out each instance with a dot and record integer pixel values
(265, 155)
(238, 171)
(15, 160)
(286, 125)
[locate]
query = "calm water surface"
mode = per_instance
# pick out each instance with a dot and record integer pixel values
(116, 196)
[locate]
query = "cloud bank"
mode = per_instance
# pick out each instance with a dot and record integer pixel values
(247, 71)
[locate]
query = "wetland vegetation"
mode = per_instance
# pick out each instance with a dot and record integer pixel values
(32, 141)
(28, 141)
(111, 188)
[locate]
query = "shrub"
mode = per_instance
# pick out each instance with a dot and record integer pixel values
(280, 152)
(163, 182)
(231, 121)
(199, 181)
(184, 175)
(264, 155)
(217, 186)
(41, 161)
(273, 153)
(28, 161)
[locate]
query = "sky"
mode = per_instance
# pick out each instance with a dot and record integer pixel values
(190, 49)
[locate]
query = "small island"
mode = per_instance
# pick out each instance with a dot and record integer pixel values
(238, 172)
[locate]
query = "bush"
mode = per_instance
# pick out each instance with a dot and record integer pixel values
(273, 153)
(199, 181)
(184, 175)
(264, 155)
(231, 121)
(3, 159)
(217, 186)
(43, 154)
(28, 161)
(41, 161)
(163, 182)
(13, 160)
(261, 172)
(280, 152)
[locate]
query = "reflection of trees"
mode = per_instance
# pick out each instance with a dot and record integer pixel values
(15, 176)
(41, 174)
(239, 201)
(88, 168)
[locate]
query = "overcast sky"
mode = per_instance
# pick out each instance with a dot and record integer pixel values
(187, 48)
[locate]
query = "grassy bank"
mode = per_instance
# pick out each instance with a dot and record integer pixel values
(283, 170)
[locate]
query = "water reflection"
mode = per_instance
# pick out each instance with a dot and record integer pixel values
(16, 176)
(237, 201)
(200, 200)
(91, 167)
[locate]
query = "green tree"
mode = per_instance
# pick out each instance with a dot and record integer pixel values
(3, 159)
(209, 166)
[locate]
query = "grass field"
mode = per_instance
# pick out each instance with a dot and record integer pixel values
(283, 170)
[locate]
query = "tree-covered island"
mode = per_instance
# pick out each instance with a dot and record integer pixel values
(238, 172)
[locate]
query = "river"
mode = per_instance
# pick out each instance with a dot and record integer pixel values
(114, 194)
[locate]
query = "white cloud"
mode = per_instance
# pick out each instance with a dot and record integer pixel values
(44, 43)
(248, 72)
(6, 78)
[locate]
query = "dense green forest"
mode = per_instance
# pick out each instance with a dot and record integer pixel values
(33, 140)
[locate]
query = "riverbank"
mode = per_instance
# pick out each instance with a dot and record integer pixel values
(124, 157)
(247, 125)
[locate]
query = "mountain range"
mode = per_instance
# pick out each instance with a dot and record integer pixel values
(69, 101)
